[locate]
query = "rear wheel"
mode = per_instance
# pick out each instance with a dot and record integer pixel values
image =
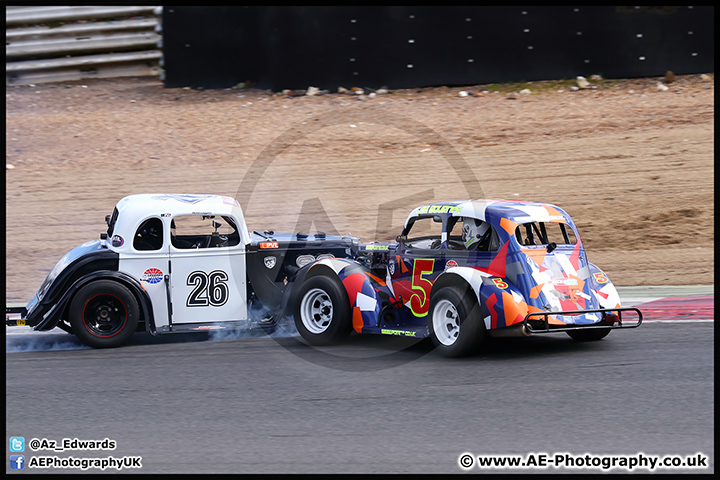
(322, 314)
(104, 314)
(455, 323)
(589, 334)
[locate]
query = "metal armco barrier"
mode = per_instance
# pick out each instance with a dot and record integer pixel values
(46, 44)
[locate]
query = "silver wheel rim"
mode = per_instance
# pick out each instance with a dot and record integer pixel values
(445, 321)
(316, 311)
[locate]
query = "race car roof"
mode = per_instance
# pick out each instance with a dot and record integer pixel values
(134, 209)
(487, 210)
(175, 204)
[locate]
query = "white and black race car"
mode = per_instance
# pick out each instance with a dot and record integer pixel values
(173, 263)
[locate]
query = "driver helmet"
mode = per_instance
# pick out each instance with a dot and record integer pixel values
(472, 231)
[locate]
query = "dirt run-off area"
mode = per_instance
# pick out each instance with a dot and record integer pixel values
(631, 162)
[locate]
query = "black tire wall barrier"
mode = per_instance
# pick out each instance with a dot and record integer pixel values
(402, 47)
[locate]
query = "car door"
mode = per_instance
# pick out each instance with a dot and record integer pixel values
(207, 270)
(145, 257)
(418, 261)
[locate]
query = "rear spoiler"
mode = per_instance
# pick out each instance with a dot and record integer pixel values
(611, 317)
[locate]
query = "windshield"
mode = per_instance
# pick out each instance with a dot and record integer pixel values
(544, 233)
(110, 220)
(424, 232)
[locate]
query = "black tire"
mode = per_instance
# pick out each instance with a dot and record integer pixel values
(322, 311)
(104, 314)
(589, 334)
(455, 322)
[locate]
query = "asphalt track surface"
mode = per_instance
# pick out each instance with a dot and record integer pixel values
(371, 405)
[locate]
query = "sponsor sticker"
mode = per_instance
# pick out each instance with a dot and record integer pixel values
(269, 245)
(152, 276)
(402, 333)
(439, 209)
(270, 261)
(117, 241)
(451, 263)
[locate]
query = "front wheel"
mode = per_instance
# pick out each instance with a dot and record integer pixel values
(455, 322)
(322, 314)
(589, 334)
(104, 314)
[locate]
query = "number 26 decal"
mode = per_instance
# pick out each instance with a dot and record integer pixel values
(210, 289)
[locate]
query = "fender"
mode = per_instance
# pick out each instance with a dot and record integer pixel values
(460, 275)
(53, 316)
(92, 257)
(327, 266)
(337, 265)
(501, 302)
(357, 282)
(603, 289)
(288, 301)
(84, 259)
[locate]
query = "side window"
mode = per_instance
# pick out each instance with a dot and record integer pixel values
(203, 231)
(472, 234)
(542, 233)
(425, 232)
(149, 235)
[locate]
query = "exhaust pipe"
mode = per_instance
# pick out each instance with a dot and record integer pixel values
(517, 330)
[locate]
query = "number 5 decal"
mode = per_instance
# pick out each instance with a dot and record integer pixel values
(600, 277)
(420, 301)
(209, 289)
(500, 283)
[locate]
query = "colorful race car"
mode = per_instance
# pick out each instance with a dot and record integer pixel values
(460, 271)
(173, 263)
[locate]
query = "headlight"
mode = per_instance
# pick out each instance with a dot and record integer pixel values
(323, 256)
